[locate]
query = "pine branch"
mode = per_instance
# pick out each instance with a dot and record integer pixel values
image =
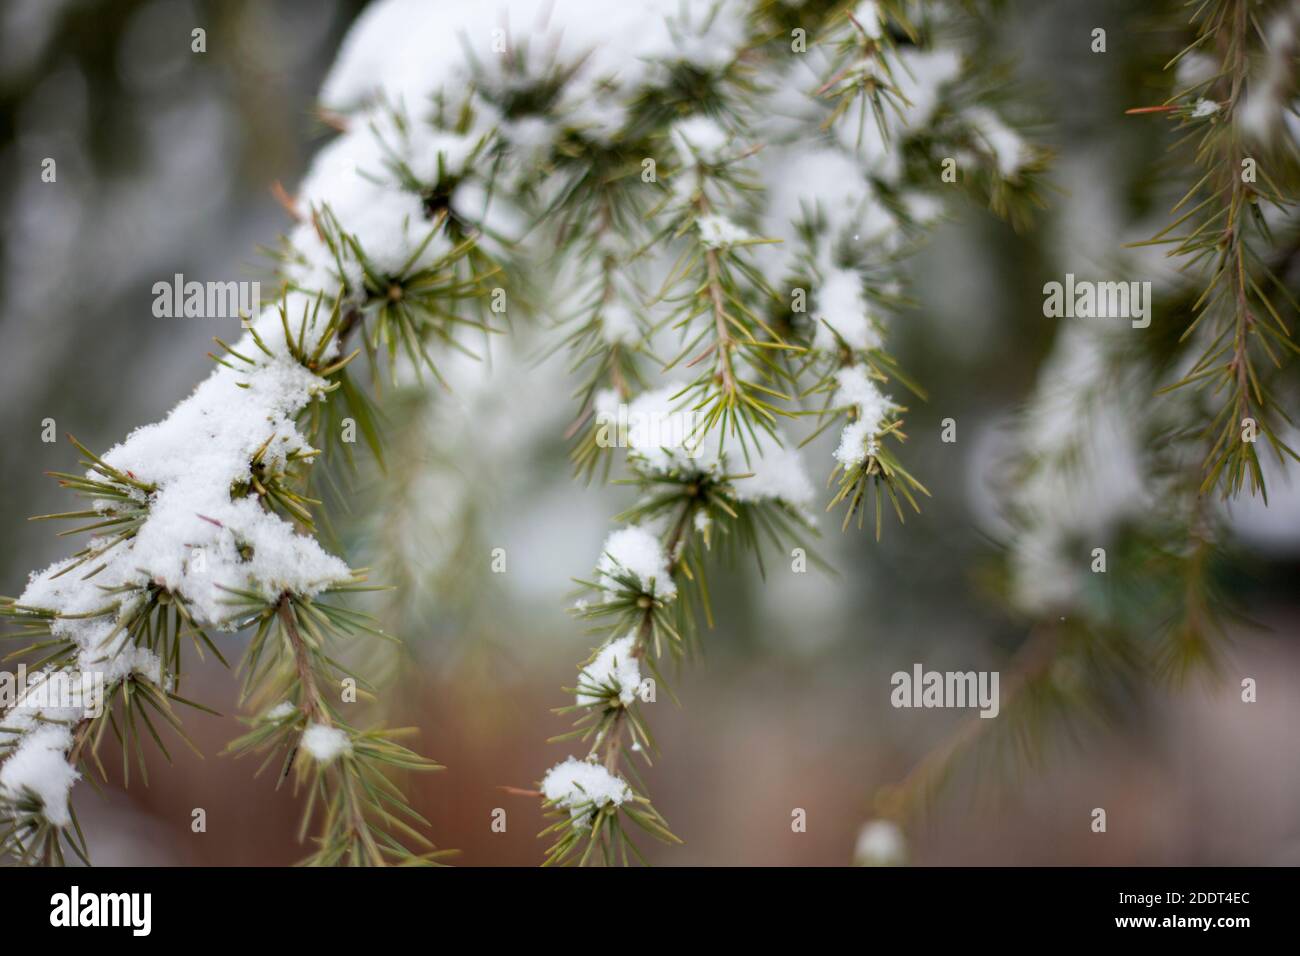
(697, 446)
(1237, 323)
(420, 231)
(255, 544)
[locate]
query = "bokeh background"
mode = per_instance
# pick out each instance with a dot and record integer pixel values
(166, 162)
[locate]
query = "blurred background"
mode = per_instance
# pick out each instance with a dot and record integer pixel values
(166, 161)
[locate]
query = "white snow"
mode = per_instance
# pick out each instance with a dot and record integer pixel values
(194, 540)
(699, 139)
(841, 309)
(39, 766)
(662, 437)
(868, 17)
(281, 711)
(614, 668)
(860, 438)
(325, 743)
(47, 697)
(193, 457)
(719, 232)
(619, 325)
(1006, 147)
(659, 432)
(880, 843)
(582, 785)
(776, 473)
(636, 551)
(407, 50)
(399, 59)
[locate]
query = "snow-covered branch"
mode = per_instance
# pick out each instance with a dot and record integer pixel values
(712, 201)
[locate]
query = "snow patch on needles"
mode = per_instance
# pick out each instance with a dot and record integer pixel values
(867, 16)
(281, 710)
(662, 439)
(197, 540)
(719, 232)
(615, 672)
(619, 325)
(581, 786)
(194, 540)
(660, 434)
(775, 473)
(842, 310)
(634, 550)
(325, 743)
(1204, 108)
(41, 704)
(700, 140)
(860, 439)
(616, 48)
(39, 767)
(1005, 146)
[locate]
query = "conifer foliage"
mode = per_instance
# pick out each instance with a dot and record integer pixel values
(707, 204)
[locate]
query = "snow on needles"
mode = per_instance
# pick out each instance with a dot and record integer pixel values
(719, 232)
(616, 47)
(663, 437)
(860, 439)
(841, 308)
(196, 538)
(700, 139)
(637, 552)
(613, 673)
(199, 533)
(580, 786)
(325, 743)
(39, 768)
